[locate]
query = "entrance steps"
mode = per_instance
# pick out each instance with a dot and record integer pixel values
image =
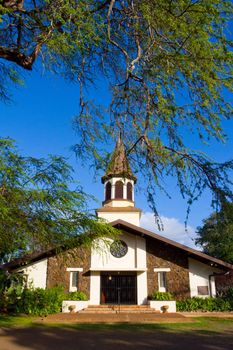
(123, 309)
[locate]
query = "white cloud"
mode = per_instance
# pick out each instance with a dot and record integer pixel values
(172, 229)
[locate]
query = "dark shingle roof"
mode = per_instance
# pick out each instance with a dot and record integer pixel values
(119, 164)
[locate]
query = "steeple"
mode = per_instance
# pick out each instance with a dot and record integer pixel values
(119, 184)
(119, 164)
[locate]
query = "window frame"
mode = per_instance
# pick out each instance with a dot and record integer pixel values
(162, 281)
(162, 272)
(73, 270)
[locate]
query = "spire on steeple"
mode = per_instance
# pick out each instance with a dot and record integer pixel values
(119, 164)
(119, 184)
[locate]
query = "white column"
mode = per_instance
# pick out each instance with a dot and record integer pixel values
(132, 190)
(142, 288)
(125, 190)
(113, 192)
(95, 288)
(212, 286)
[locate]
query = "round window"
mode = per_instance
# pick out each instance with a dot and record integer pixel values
(118, 249)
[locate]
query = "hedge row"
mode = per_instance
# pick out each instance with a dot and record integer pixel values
(204, 304)
(37, 301)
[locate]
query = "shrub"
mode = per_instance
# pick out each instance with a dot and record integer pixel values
(229, 294)
(40, 301)
(76, 296)
(161, 296)
(204, 304)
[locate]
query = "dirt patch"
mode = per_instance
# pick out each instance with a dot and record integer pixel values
(48, 338)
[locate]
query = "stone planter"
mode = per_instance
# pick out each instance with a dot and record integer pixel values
(74, 305)
(163, 305)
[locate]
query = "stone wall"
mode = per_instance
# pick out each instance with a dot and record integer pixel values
(75, 258)
(161, 255)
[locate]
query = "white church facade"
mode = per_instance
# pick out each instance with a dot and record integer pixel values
(130, 271)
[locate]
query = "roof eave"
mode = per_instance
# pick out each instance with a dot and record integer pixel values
(190, 251)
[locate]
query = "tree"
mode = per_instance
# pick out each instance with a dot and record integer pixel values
(38, 210)
(216, 234)
(168, 65)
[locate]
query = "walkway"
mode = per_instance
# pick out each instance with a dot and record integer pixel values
(117, 318)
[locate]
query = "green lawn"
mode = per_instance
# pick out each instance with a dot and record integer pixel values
(204, 324)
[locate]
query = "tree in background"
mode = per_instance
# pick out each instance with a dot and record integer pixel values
(38, 210)
(168, 65)
(216, 234)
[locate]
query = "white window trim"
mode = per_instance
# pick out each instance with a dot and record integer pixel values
(161, 269)
(70, 270)
(161, 288)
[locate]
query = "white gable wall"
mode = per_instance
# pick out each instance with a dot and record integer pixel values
(134, 260)
(36, 274)
(101, 258)
(130, 217)
(201, 275)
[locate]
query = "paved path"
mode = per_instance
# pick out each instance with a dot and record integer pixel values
(68, 318)
(43, 338)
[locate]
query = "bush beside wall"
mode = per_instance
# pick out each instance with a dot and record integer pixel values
(205, 304)
(161, 296)
(38, 301)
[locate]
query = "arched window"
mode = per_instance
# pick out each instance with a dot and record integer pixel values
(129, 191)
(119, 190)
(108, 190)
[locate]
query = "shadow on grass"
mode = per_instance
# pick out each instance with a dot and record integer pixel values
(115, 337)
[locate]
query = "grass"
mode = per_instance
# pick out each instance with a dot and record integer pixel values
(17, 321)
(199, 324)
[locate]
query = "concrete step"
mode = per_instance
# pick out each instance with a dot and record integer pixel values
(91, 312)
(124, 309)
(121, 305)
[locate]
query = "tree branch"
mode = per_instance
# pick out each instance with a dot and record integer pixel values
(13, 4)
(109, 31)
(17, 57)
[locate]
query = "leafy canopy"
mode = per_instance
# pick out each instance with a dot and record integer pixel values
(216, 234)
(168, 65)
(38, 210)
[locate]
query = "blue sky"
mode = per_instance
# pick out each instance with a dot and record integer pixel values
(40, 120)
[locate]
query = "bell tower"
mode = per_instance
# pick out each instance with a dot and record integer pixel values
(119, 184)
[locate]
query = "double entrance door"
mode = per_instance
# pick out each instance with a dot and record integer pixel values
(118, 288)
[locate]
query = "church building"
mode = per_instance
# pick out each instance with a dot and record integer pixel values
(129, 270)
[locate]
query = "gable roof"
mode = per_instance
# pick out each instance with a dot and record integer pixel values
(192, 253)
(28, 259)
(133, 229)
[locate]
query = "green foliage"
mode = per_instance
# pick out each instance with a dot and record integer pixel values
(36, 202)
(229, 294)
(216, 234)
(37, 301)
(11, 287)
(15, 298)
(171, 65)
(76, 296)
(40, 301)
(161, 296)
(168, 65)
(204, 304)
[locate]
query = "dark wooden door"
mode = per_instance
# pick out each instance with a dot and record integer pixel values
(118, 289)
